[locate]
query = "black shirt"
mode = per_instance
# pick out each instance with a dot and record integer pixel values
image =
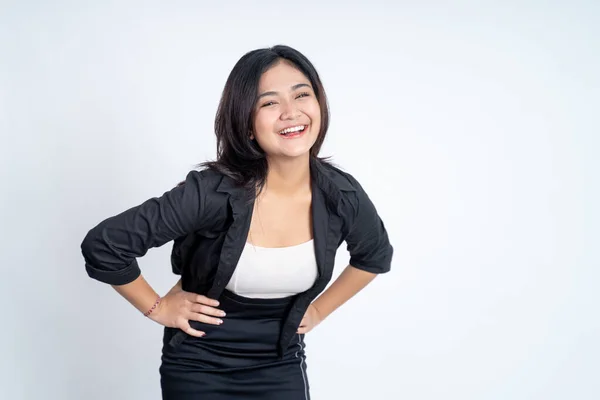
(208, 218)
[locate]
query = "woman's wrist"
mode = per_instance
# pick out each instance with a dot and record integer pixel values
(154, 306)
(141, 295)
(319, 309)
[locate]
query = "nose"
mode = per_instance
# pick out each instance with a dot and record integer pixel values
(289, 111)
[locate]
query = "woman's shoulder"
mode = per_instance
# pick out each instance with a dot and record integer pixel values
(353, 196)
(340, 178)
(210, 176)
(210, 180)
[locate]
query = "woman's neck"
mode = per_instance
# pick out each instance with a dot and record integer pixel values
(288, 176)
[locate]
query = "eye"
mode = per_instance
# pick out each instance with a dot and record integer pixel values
(268, 104)
(303, 94)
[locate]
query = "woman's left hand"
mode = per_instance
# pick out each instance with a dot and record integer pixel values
(311, 319)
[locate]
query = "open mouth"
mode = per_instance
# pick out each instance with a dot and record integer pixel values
(294, 131)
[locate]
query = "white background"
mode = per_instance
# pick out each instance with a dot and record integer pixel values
(472, 125)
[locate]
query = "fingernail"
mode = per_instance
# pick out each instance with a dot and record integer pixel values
(220, 321)
(222, 313)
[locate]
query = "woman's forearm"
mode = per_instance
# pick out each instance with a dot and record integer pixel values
(139, 293)
(351, 281)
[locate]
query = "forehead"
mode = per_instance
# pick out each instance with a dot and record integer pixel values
(281, 76)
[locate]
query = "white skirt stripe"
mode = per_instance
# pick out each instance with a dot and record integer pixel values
(303, 368)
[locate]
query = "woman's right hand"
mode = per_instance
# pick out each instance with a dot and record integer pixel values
(178, 307)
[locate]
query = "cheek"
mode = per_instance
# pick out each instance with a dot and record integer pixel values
(262, 124)
(314, 112)
(263, 127)
(315, 115)
(259, 121)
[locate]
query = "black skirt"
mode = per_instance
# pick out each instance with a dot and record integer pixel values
(238, 359)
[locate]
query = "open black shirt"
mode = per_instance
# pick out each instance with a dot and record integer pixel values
(208, 218)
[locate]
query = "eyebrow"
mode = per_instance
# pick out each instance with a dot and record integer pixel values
(296, 86)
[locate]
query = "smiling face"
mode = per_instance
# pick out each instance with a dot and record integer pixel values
(287, 117)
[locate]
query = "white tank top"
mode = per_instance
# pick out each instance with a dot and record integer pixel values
(272, 272)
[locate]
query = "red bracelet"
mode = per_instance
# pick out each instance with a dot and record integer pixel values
(153, 307)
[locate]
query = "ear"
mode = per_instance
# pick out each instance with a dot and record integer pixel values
(251, 136)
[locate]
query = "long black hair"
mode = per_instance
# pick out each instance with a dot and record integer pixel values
(238, 156)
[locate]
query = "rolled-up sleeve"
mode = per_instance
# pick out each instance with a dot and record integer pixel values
(110, 249)
(367, 241)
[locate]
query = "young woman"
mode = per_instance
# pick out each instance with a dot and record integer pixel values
(255, 236)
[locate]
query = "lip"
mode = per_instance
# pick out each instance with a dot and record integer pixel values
(294, 135)
(292, 126)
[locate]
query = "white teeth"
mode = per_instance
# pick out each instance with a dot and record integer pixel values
(294, 129)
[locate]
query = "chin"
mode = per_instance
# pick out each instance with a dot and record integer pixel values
(291, 149)
(290, 153)
(295, 154)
